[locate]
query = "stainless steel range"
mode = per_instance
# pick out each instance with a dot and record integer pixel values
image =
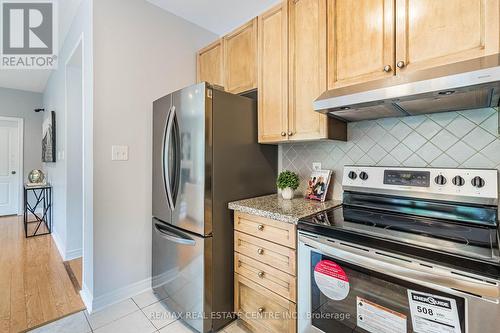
(410, 250)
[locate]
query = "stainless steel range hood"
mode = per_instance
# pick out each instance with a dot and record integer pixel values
(464, 85)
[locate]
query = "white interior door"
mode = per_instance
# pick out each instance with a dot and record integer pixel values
(9, 166)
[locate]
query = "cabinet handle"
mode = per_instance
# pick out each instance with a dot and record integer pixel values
(260, 274)
(387, 68)
(260, 227)
(261, 310)
(401, 64)
(290, 133)
(260, 251)
(283, 133)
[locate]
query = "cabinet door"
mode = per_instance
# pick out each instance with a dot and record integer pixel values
(307, 61)
(273, 75)
(361, 43)
(432, 33)
(210, 64)
(263, 310)
(240, 58)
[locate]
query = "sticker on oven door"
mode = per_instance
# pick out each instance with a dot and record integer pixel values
(331, 280)
(378, 319)
(432, 313)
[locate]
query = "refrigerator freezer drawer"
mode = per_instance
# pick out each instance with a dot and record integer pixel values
(181, 271)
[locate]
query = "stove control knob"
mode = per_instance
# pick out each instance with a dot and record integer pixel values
(363, 175)
(353, 175)
(478, 182)
(440, 180)
(458, 181)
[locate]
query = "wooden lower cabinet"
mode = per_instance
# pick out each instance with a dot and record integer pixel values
(261, 309)
(265, 274)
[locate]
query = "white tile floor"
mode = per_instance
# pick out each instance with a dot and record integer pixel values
(144, 313)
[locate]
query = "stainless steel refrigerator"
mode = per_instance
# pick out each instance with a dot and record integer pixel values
(205, 154)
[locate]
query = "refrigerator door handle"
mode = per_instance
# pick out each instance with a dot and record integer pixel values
(177, 157)
(166, 154)
(174, 236)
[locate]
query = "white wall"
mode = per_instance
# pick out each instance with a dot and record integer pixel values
(20, 104)
(140, 54)
(55, 99)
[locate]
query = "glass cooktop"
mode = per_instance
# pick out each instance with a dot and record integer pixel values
(465, 239)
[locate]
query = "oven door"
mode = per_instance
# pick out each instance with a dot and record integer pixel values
(345, 287)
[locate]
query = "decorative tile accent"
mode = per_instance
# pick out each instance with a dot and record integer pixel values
(466, 139)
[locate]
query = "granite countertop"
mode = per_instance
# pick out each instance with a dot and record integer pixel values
(275, 207)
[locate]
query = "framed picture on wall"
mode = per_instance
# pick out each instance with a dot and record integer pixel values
(49, 138)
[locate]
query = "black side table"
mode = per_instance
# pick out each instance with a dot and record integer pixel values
(42, 224)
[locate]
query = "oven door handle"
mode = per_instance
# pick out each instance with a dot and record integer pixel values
(405, 269)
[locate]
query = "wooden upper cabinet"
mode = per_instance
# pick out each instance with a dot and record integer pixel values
(210, 66)
(432, 33)
(307, 61)
(361, 41)
(273, 74)
(240, 58)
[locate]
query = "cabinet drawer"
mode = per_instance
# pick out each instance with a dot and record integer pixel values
(274, 231)
(281, 283)
(261, 309)
(277, 256)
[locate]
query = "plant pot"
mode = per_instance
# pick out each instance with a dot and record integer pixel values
(287, 193)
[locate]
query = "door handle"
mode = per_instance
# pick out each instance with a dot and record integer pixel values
(392, 266)
(13, 172)
(166, 153)
(175, 237)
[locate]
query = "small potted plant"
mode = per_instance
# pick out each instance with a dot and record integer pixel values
(287, 182)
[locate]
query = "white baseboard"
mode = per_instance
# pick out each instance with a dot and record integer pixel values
(59, 244)
(87, 298)
(119, 295)
(73, 254)
(65, 254)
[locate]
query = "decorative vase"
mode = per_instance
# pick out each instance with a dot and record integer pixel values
(287, 193)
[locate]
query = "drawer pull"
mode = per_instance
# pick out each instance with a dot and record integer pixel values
(260, 251)
(260, 227)
(261, 310)
(260, 274)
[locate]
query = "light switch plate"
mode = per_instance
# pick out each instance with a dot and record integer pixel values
(119, 153)
(316, 166)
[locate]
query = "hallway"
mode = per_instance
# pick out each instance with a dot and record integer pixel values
(34, 285)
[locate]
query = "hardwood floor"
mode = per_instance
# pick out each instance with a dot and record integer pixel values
(74, 269)
(34, 285)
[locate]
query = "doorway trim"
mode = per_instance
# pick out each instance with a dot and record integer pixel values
(20, 139)
(73, 254)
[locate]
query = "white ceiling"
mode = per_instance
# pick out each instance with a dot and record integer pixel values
(217, 16)
(36, 80)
